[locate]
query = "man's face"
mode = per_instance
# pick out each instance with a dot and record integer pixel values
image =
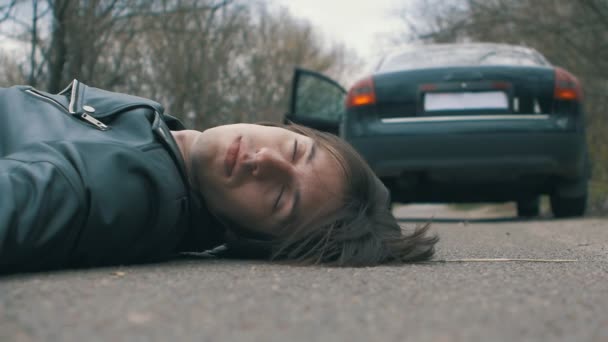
(263, 178)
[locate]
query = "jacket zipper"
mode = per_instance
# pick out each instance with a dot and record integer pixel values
(55, 102)
(90, 119)
(84, 116)
(73, 96)
(88, 110)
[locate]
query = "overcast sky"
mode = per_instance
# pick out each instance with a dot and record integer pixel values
(357, 23)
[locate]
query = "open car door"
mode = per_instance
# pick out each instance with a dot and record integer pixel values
(316, 101)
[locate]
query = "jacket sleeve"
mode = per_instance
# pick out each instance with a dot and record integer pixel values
(41, 213)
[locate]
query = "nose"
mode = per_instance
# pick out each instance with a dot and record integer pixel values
(271, 163)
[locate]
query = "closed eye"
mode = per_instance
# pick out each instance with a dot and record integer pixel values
(295, 150)
(276, 202)
(293, 158)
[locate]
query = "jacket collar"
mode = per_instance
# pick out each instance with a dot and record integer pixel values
(161, 130)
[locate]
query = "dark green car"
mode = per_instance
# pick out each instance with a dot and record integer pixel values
(461, 123)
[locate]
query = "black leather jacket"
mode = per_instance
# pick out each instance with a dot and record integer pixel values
(89, 177)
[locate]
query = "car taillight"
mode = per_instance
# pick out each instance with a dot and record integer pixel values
(362, 93)
(567, 86)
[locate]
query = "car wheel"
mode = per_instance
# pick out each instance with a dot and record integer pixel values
(529, 207)
(568, 206)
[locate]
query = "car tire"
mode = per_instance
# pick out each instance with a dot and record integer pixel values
(568, 206)
(529, 207)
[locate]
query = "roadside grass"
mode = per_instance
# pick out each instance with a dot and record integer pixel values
(598, 152)
(506, 208)
(597, 206)
(598, 198)
(466, 206)
(502, 208)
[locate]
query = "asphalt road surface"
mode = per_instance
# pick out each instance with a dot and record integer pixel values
(199, 299)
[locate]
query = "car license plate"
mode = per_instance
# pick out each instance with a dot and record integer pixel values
(465, 100)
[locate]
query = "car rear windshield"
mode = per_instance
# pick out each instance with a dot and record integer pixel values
(433, 56)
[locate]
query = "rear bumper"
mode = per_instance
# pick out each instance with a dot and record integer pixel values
(483, 155)
(509, 155)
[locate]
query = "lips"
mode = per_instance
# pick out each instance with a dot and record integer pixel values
(232, 155)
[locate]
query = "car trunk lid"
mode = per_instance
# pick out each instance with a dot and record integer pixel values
(457, 91)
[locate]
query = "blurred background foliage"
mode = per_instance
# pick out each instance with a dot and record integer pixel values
(208, 61)
(571, 34)
(222, 61)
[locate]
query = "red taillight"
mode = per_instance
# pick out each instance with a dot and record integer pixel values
(567, 86)
(501, 85)
(428, 87)
(362, 93)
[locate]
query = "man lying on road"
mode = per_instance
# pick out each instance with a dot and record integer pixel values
(90, 177)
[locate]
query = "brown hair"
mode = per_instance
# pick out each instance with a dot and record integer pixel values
(362, 232)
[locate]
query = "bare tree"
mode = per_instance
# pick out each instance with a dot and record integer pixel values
(23, 28)
(188, 55)
(233, 62)
(89, 40)
(208, 61)
(5, 10)
(9, 73)
(277, 43)
(73, 38)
